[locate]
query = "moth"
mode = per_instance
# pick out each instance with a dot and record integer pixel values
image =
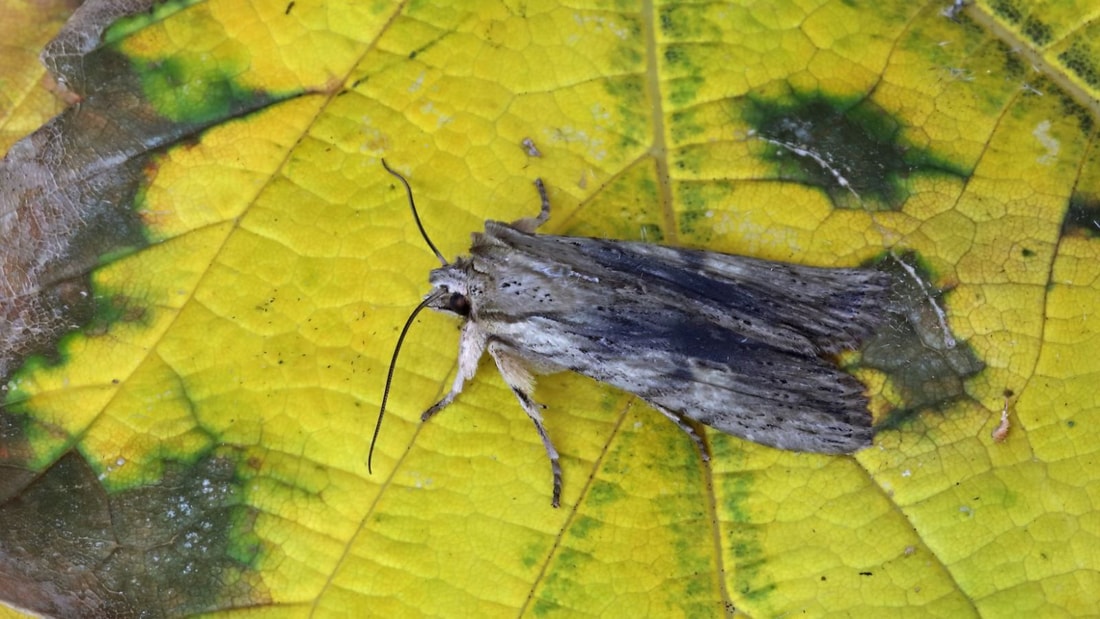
(743, 345)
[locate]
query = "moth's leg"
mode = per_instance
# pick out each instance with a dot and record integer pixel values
(470, 346)
(686, 427)
(530, 224)
(515, 373)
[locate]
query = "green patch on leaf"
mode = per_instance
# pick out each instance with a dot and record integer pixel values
(560, 584)
(1082, 61)
(182, 545)
(1082, 217)
(631, 101)
(750, 580)
(685, 125)
(604, 494)
(113, 308)
(851, 150)
(1039, 32)
(1009, 10)
(193, 92)
(685, 21)
(685, 90)
(584, 525)
(1071, 108)
(159, 11)
(629, 54)
(698, 201)
(924, 361)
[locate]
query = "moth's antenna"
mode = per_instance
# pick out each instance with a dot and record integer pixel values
(393, 363)
(416, 216)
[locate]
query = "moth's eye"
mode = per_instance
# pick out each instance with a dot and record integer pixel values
(459, 304)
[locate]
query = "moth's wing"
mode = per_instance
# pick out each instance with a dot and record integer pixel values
(798, 308)
(757, 392)
(689, 365)
(685, 331)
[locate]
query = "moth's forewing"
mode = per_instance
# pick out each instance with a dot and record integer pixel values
(739, 344)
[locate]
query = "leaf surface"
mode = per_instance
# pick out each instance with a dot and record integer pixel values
(208, 267)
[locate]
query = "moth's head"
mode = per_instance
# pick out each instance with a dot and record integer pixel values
(450, 287)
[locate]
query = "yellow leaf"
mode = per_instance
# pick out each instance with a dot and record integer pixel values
(24, 103)
(197, 441)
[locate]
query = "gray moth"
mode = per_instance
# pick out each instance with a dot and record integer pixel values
(743, 345)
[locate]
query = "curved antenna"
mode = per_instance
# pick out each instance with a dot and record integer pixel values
(416, 216)
(393, 363)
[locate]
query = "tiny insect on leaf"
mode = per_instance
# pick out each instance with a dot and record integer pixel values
(743, 345)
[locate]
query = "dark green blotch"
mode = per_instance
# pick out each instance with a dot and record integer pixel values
(630, 100)
(185, 91)
(750, 562)
(755, 593)
(111, 309)
(737, 491)
(684, 125)
(668, 22)
(69, 297)
(583, 526)
(696, 199)
(157, 11)
(174, 548)
(532, 555)
(1073, 109)
(1082, 217)
(1014, 66)
(1078, 60)
(544, 607)
(691, 22)
(1039, 33)
(95, 314)
(627, 57)
(913, 349)
(685, 90)
(1007, 10)
(629, 88)
(560, 583)
(850, 149)
(629, 54)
